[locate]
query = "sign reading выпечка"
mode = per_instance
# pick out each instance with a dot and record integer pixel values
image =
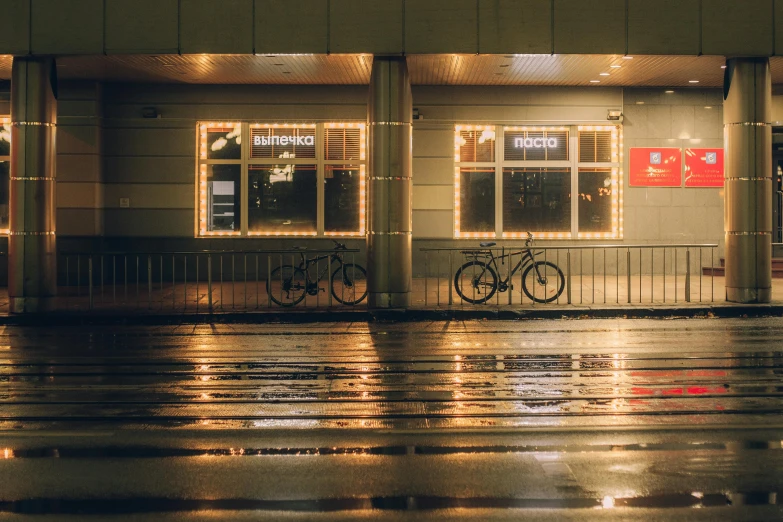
(655, 167)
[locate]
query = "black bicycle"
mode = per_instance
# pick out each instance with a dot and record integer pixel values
(288, 284)
(477, 280)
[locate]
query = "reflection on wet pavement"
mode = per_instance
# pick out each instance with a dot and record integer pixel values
(386, 418)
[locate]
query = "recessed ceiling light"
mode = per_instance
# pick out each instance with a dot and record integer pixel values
(615, 66)
(640, 103)
(604, 74)
(669, 92)
(595, 81)
(693, 81)
(627, 57)
(722, 66)
(708, 107)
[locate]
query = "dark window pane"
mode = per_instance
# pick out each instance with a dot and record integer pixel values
(5, 169)
(224, 143)
(282, 199)
(5, 139)
(536, 200)
(222, 198)
(342, 199)
(476, 212)
(595, 200)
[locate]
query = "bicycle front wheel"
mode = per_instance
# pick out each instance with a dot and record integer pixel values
(475, 282)
(543, 282)
(349, 284)
(287, 285)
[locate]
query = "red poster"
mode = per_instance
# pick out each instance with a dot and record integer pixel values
(658, 167)
(703, 167)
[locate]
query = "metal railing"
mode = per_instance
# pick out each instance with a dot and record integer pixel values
(589, 274)
(208, 281)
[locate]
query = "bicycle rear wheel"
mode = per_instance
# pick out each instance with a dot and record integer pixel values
(543, 282)
(349, 284)
(287, 285)
(475, 282)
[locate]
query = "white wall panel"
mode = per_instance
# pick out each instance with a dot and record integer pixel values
(67, 26)
(433, 197)
(15, 27)
(150, 195)
(148, 222)
(79, 195)
(155, 169)
(150, 142)
(515, 26)
(79, 168)
(207, 26)
(293, 26)
(142, 26)
(429, 143)
(433, 171)
(664, 27)
(367, 26)
(433, 224)
(594, 27)
(441, 26)
(731, 27)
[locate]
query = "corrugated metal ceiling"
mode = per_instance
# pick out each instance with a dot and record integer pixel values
(563, 70)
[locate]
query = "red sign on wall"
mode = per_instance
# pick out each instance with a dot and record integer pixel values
(703, 167)
(658, 167)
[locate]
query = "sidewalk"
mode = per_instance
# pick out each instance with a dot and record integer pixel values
(240, 302)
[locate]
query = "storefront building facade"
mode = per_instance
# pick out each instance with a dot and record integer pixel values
(221, 130)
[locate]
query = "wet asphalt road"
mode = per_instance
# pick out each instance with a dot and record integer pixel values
(549, 420)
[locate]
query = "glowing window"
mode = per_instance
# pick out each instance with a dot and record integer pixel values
(558, 182)
(273, 179)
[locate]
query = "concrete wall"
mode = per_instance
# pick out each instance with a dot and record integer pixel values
(689, 27)
(683, 119)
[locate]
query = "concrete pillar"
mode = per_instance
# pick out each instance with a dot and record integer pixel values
(32, 268)
(747, 120)
(389, 220)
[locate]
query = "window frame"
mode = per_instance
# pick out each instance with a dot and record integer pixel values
(573, 164)
(246, 161)
(5, 119)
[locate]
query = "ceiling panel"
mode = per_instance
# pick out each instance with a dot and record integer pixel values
(442, 69)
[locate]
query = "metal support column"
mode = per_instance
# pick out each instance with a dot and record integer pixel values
(389, 220)
(747, 118)
(32, 252)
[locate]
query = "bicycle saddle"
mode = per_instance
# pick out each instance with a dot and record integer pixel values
(487, 244)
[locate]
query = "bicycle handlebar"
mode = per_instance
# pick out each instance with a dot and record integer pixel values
(338, 245)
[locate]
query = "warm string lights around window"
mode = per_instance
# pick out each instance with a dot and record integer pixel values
(5, 121)
(362, 179)
(457, 182)
(203, 129)
(205, 161)
(616, 183)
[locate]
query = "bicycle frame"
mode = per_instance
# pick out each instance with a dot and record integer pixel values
(527, 257)
(305, 265)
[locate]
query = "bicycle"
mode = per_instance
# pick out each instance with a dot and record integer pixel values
(288, 284)
(477, 281)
